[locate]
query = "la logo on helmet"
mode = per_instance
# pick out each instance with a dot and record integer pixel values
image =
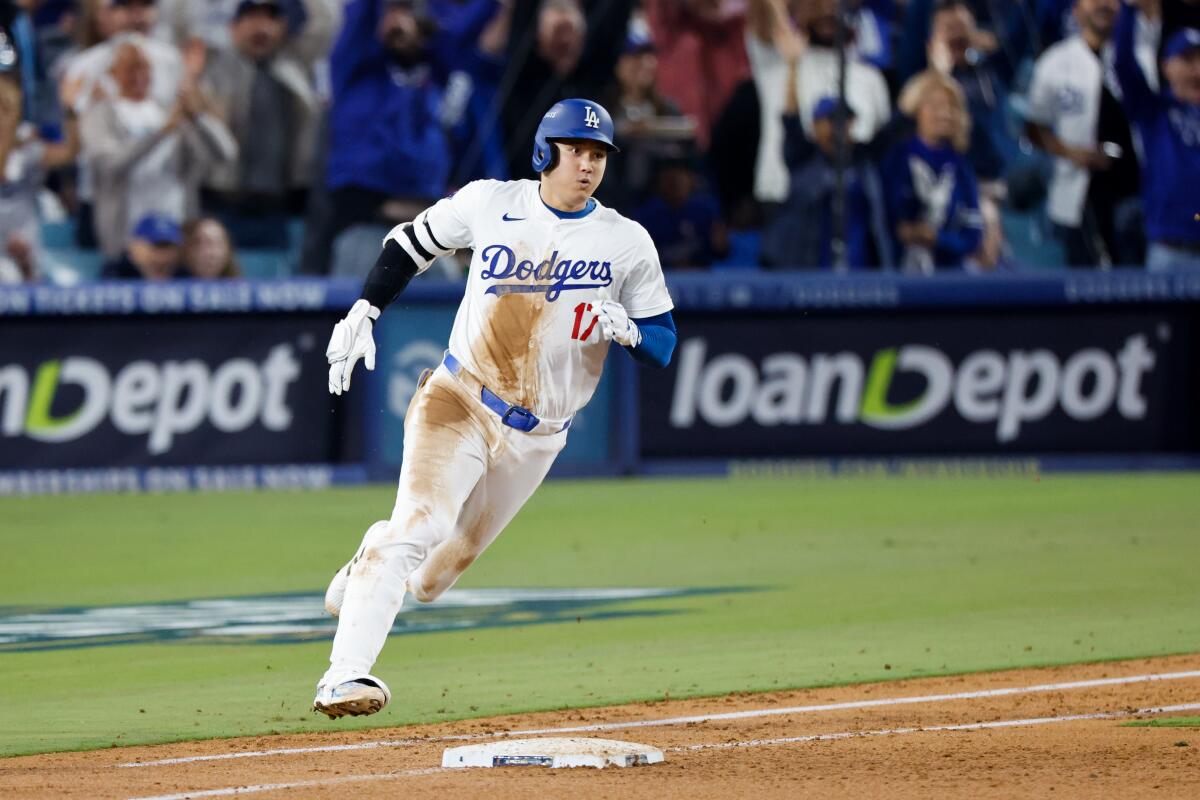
(590, 118)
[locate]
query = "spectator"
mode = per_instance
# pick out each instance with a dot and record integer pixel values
(802, 231)
(735, 136)
(152, 252)
(388, 155)
(647, 124)
(87, 76)
(955, 49)
(773, 45)
(24, 161)
(1168, 123)
(18, 47)
(1006, 33)
(933, 200)
(559, 53)
(263, 88)
(97, 23)
(147, 157)
(1074, 115)
(471, 110)
(207, 251)
(958, 48)
(701, 49)
(681, 217)
(206, 20)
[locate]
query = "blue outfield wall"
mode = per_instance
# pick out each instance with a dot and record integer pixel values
(208, 386)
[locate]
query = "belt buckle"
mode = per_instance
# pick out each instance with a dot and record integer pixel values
(528, 420)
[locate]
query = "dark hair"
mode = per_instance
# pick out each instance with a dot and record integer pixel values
(191, 229)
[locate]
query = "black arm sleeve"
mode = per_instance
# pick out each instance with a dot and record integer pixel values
(392, 271)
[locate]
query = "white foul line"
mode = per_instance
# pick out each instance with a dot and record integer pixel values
(971, 726)
(275, 787)
(819, 737)
(653, 723)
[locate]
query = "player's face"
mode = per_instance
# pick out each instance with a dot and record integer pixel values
(580, 169)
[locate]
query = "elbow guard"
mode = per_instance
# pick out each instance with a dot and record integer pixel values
(392, 271)
(417, 240)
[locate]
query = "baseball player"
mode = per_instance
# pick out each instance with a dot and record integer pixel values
(555, 277)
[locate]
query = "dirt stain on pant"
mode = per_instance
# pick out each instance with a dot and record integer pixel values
(447, 562)
(444, 427)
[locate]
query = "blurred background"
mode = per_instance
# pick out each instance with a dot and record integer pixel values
(894, 229)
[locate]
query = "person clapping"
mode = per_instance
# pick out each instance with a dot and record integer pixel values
(147, 158)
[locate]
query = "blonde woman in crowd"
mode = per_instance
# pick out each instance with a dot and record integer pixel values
(933, 197)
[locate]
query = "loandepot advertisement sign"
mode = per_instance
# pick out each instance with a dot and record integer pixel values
(163, 391)
(286, 619)
(155, 400)
(1057, 382)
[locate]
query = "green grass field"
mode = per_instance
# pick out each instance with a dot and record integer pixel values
(1169, 722)
(843, 581)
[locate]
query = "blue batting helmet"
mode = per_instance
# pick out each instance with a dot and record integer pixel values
(570, 119)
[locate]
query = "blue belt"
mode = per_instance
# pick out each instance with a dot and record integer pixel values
(516, 417)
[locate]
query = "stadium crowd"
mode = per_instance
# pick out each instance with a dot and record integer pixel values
(176, 138)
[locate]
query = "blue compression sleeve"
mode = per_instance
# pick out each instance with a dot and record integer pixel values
(658, 340)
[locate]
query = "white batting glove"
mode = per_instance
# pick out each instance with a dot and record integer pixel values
(615, 324)
(351, 341)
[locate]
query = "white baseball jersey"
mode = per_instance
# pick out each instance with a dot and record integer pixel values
(525, 326)
(1064, 95)
(526, 331)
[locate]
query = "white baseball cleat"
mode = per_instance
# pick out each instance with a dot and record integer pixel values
(353, 698)
(336, 592)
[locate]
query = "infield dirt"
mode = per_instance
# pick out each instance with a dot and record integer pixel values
(1081, 758)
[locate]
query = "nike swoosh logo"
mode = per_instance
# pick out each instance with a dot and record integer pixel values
(507, 218)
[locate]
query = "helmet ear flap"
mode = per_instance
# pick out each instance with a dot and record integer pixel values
(545, 160)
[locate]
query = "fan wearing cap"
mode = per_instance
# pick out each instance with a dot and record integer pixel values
(262, 83)
(801, 232)
(1169, 124)
(153, 252)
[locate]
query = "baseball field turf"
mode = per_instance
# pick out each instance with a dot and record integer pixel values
(763, 585)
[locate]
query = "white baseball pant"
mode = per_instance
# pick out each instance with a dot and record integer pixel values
(464, 476)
